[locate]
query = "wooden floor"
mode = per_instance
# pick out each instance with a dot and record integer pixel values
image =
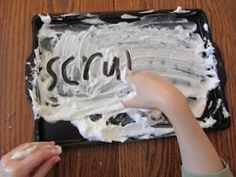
(141, 159)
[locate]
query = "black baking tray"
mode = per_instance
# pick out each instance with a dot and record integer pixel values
(63, 132)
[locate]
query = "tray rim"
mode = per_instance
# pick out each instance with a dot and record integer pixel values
(35, 27)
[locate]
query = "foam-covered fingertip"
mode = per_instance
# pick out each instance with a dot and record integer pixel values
(59, 149)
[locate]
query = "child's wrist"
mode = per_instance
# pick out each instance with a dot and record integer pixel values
(175, 107)
(169, 102)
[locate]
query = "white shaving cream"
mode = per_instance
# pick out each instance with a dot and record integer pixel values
(205, 26)
(180, 10)
(174, 53)
(128, 16)
(22, 154)
(45, 18)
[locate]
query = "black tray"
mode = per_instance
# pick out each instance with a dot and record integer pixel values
(63, 132)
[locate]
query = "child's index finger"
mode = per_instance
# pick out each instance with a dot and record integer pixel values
(42, 154)
(25, 146)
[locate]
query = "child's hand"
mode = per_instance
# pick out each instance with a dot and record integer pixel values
(153, 91)
(30, 160)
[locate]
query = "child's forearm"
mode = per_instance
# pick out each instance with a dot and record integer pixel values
(153, 91)
(198, 154)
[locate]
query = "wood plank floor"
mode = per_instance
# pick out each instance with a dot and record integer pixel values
(140, 159)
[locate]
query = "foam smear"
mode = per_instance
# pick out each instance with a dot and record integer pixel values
(91, 100)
